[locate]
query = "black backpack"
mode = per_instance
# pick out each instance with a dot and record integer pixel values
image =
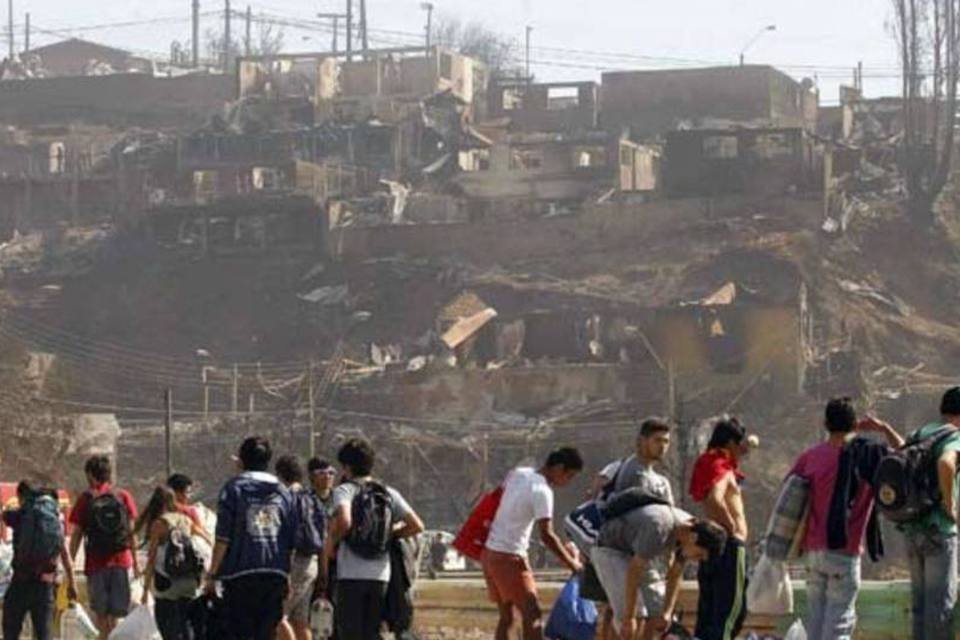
(180, 558)
(311, 525)
(372, 521)
(107, 526)
(906, 483)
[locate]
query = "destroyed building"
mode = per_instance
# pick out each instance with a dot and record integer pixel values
(76, 57)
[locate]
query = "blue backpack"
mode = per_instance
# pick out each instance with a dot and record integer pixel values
(39, 538)
(311, 523)
(572, 617)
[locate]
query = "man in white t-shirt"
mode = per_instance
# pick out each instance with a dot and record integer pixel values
(527, 501)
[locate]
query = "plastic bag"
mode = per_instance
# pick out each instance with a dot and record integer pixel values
(321, 619)
(77, 625)
(770, 591)
(139, 625)
(796, 632)
(572, 618)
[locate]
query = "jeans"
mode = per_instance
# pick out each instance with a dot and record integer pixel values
(173, 618)
(933, 584)
(28, 597)
(833, 581)
(359, 607)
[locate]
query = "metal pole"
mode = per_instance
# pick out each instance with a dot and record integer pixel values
(313, 412)
(26, 34)
(13, 50)
(429, 25)
(206, 393)
(363, 27)
(227, 37)
(349, 30)
(196, 33)
(529, 31)
(246, 41)
(236, 389)
(336, 32)
(168, 429)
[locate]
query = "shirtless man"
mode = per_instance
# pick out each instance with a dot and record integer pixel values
(723, 578)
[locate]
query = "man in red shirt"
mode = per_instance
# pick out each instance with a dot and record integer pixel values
(102, 518)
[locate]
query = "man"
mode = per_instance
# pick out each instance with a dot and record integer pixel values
(182, 487)
(363, 561)
(715, 483)
(102, 518)
(322, 479)
(625, 553)
(308, 546)
(256, 522)
(932, 540)
(33, 585)
(639, 470)
(833, 578)
(527, 502)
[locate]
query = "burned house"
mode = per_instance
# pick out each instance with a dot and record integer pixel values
(712, 162)
(544, 107)
(76, 57)
(649, 103)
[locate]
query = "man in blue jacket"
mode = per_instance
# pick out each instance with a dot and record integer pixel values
(256, 522)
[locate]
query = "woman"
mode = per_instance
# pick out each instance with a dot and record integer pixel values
(162, 521)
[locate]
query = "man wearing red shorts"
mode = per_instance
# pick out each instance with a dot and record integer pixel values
(527, 500)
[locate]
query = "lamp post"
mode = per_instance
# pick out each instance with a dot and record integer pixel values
(753, 40)
(428, 7)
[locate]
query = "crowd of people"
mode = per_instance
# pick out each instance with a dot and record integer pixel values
(287, 537)
(634, 563)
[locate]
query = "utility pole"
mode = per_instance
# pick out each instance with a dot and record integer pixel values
(13, 50)
(529, 31)
(206, 391)
(168, 430)
(349, 30)
(246, 40)
(336, 27)
(227, 37)
(313, 411)
(236, 390)
(428, 7)
(196, 33)
(26, 34)
(363, 27)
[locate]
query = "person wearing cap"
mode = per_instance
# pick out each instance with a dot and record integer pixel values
(932, 540)
(722, 578)
(841, 515)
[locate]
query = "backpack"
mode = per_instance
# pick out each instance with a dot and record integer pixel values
(180, 559)
(39, 538)
(906, 483)
(472, 537)
(311, 525)
(107, 526)
(372, 521)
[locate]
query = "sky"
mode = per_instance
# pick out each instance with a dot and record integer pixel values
(571, 39)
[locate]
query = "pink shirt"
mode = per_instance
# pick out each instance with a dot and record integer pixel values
(819, 466)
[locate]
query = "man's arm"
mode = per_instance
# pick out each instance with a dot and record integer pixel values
(894, 439)
(674, 574)
(410, 526)
(947, 475)
(551, 541)
(635, 573)
(75, 539)
(715, 503)
(219, 552)
(67, 563)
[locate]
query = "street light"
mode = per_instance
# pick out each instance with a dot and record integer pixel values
(428, 7)
(753, 40)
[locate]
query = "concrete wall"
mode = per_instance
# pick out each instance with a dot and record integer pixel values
(599, 228)
(652, 102)
(535, 113)
(116, 100)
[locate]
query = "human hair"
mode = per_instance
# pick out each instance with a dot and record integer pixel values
(99, 468)
(727, 430)
(652, 426)
(711, 537)
(25, 489)
(255, 454)
(161, 501)
(950, 404)
(840, 416)
(358, 455)
(289, 469)
(567, 457)
(179, 482)
(317, 464)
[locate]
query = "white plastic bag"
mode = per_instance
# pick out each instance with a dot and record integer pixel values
(139, 625)
(77, 625)
(321, 619)
(796, 632)
(770, 591)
